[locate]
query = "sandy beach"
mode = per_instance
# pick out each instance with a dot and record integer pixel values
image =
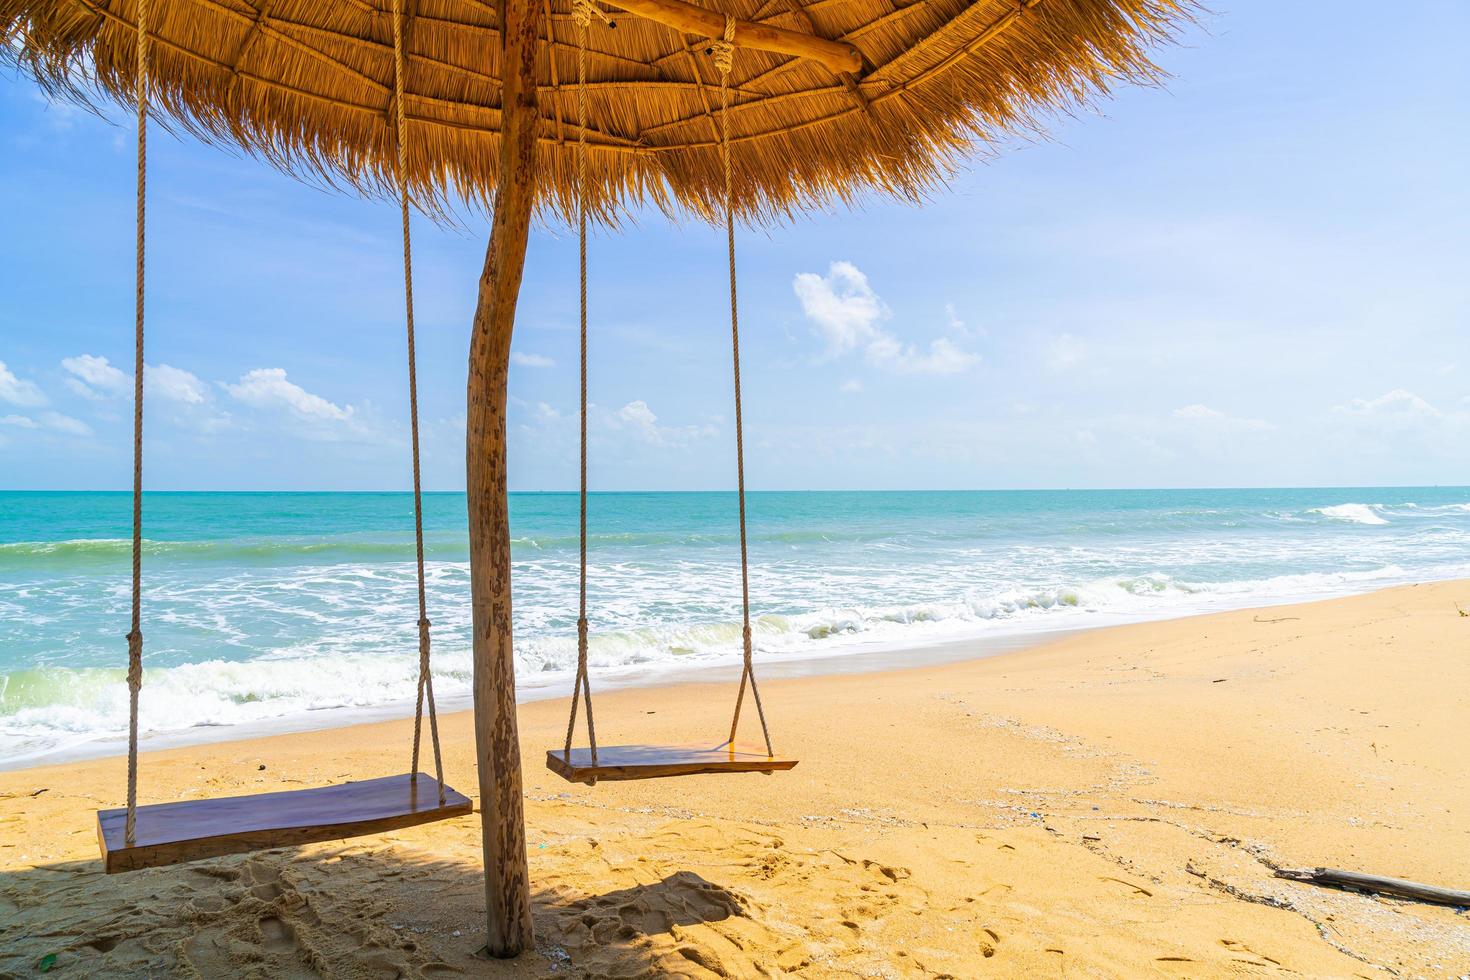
(1111, 804)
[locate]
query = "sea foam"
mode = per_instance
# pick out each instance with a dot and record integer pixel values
(1353, 513)
(304, 619)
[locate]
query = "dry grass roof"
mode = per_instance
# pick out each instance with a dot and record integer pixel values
(308, 85)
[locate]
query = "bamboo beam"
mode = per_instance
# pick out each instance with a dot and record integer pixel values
(497, 741)
(838, 56)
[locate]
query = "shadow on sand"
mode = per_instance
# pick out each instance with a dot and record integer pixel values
(370, 910)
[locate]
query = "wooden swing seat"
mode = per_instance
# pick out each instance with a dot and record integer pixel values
(622, 762)
(172, 833)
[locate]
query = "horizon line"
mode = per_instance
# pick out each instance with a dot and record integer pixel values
(574, 491)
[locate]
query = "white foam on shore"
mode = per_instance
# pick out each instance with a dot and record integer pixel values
(82, 712)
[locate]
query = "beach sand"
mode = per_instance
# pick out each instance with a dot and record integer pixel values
(1110, 804)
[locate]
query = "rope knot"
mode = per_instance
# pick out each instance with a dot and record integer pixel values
(723, 51)
(583, 11)
(135, 660)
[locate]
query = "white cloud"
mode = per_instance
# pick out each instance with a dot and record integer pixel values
(48, 420)
(268, 388)
(1397, 403)
(1204, 414)
(1400, 414)
(1401, 421)
(638, 413)
(852, 386)
(18, 392)
(959, 327)
(943, 357)
(522, 359)
(62, 115)
(65, 423)
(175, 384)
(94, 377)
(842, 306)
(1198, 412)
(637, 416)
(953, 321)
(546, 413)
(1065, 352)
(848, 316)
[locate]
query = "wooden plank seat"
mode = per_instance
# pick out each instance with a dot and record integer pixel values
(172, 833)
(620, 762)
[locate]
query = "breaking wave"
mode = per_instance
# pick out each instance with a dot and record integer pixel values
(310, 621)
(1352, 513)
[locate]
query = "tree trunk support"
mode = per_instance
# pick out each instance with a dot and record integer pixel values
(497, 744)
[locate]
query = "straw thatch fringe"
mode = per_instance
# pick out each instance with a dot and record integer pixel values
(307, 86)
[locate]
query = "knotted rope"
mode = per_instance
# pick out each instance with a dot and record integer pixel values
(135, 635)
(426, 677)
(724, 59)
(582, 12)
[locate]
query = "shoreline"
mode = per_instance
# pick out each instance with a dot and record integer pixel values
(1111, 803)
(881, 657)
(854, 654)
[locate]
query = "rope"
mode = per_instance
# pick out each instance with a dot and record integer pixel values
(426, 678)
(135, 635)
(724, 58)
(582, 13)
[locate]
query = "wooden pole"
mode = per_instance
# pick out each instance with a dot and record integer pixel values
(839, 56)
(497, 744)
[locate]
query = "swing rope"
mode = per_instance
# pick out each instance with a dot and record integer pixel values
(582, 13)
(426, 678)
(724, 58)
(135, 635)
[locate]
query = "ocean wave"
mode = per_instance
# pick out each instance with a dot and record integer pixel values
(44, 708)
(442, 546)
(1425, 510)
(227, 550)
(1352, 513)
(1377, 514)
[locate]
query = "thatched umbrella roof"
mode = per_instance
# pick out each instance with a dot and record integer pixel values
(831, 97)
(308, 85)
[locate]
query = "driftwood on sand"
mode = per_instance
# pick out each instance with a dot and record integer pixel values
(1397, 887)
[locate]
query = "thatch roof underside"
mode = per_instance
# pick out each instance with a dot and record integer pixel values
(308, 85)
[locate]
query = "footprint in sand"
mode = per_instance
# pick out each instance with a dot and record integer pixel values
(265, 881)
(1137, 889)
(277, 935)
(1238, 947)
(223, 873)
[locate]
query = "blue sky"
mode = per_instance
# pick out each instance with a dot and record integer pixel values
(1254, 276)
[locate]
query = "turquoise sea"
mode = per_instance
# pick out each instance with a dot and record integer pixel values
(261, 608)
